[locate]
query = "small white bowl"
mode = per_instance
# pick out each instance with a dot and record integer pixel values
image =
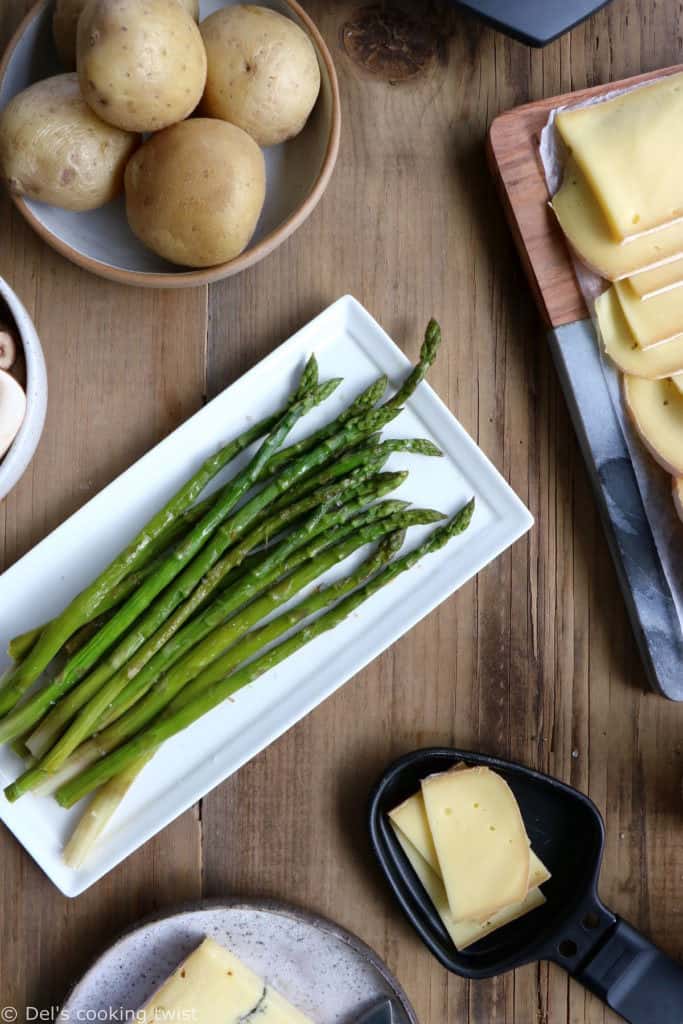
(297, 172)
(23, 447)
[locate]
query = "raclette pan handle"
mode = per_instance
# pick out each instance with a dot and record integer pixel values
(634, 978)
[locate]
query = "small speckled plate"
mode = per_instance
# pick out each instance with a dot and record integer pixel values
(322, 969)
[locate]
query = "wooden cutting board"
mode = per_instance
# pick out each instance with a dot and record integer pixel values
(514, 159)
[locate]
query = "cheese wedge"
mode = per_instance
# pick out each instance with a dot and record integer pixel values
(653, 322)
(480, 840)
(656, 410)
(587, 231)
(677, 487)
(410, 819)
(212, 984)
(661, 279)
(630, 149)
(463, 933)
(677, 379)
(619, 344)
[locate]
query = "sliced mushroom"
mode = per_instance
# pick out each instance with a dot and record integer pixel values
(8, 347)
(12, 410)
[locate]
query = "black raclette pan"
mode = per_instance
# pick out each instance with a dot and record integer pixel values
(573, 928)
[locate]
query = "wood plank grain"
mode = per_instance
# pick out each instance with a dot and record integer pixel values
(125, 366)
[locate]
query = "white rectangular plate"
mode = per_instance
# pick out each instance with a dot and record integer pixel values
(347, 343)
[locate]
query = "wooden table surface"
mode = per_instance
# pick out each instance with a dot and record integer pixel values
(533, 660)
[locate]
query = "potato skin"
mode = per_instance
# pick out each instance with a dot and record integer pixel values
(263, 72)
(141, 63)
(65, 24)
(53, 148)
(194, 192)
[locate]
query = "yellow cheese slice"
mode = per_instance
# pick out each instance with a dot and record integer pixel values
(656, 410)
(211, 978)
(622, 348)
(660, 279)
(463, 933)
(677, 379)
(630, 149)
(410, 819)
(588, 233)
(677, 486)
(653, 322)
(480, 841)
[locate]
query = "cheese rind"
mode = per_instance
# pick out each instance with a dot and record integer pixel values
(463, 933)
(630, 149)
(677, 380)
(660, 279)
(653, 322)
(210, 978)
(586, 229)
(619, 344)
(656, 410)
(480, 841)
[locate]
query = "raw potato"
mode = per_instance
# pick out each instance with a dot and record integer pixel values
(55, 149)
(65, 24)
(263, 72)
(141, 63)
(194, 192)
(12, 410)
(656, 410)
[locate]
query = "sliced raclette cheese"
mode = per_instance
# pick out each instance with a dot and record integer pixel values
(622, 348)
(588, 233)
(464, 933)
(480, 841)
(656, 410)
(213, 984)
(653, 322)
(677, 487)
(630, 148)
(660, 279)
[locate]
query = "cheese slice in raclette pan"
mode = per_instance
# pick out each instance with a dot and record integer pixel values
(650, 283)
(654, 322)
(410, 819)
(464, 933)
(630, 148)
(586, 229)
(623, 349)
(480, 841)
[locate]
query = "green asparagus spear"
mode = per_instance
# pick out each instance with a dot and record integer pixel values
(145, 545)
(130, 657)
(430, 347)
(24, 674)
(109, 797)
(362, 403)
(385, 517)
(20, 645)
(165, 727)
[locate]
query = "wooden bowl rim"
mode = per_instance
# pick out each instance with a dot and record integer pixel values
(251, 256)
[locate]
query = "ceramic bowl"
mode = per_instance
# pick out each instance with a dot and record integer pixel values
(101, 241)
(23, 447)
